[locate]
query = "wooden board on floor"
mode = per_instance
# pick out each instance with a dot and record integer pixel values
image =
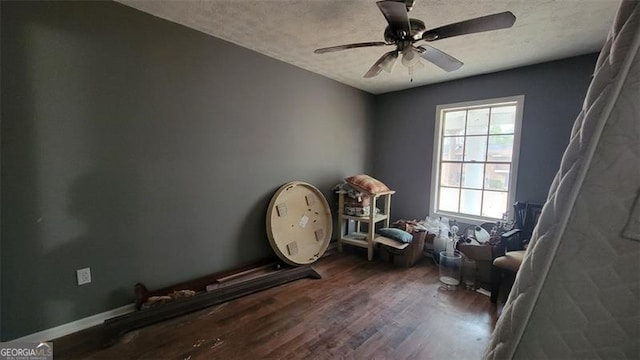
(114, 328)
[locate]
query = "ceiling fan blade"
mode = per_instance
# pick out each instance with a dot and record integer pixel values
(389, 61)
(385, 62)
(439, 58)
(349, 46)
(396, 14)
(497, 21)
(373, 72)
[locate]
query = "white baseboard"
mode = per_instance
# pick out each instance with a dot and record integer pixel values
(75, 326)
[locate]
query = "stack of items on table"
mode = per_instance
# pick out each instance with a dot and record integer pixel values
(477, 243)
(356, 203)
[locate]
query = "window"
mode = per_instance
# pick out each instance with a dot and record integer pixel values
(475, 159)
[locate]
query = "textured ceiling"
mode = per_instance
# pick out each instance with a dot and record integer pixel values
(289, 30)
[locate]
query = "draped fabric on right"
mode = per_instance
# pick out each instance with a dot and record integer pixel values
(577, 294)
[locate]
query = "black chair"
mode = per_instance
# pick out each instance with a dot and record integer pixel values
(511, 250)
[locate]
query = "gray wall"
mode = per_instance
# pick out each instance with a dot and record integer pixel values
(404, 126)
(148, 152)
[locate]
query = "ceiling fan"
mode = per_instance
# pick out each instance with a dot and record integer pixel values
(403, 32)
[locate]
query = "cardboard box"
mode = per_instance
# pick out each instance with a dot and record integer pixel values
(408, 256)
(483, 256)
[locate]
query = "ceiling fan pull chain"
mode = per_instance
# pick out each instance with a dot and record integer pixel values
(410, 73)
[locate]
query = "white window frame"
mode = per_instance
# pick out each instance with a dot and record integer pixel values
(437, 148)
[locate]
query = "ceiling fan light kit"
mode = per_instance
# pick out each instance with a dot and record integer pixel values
(402, 32)
(410, 57)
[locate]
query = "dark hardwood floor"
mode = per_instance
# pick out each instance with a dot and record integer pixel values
(358, 310)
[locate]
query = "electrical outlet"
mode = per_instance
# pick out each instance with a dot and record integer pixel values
(84, 276)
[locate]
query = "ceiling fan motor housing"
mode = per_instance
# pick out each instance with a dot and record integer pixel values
(394, 36)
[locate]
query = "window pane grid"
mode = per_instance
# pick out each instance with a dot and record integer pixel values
(469, 137)
(481, 206)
